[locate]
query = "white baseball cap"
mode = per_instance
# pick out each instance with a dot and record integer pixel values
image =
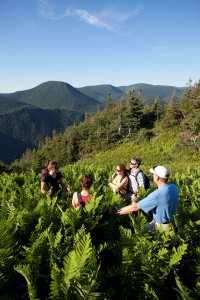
(160, 171)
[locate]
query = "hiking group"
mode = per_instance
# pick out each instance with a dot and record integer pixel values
(162, 203)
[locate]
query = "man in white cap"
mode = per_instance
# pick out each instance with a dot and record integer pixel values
(163, 202)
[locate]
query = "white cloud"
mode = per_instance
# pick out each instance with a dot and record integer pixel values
(45, 8)
(108, 19)
(162, 51)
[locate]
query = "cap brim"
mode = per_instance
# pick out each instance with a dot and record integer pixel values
(152, 171)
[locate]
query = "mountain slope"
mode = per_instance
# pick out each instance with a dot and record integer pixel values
(54, 94)
(8, 105)
(28, 127)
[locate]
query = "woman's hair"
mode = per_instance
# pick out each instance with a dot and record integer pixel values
(52, 164)
(87, 180)
(122, 168)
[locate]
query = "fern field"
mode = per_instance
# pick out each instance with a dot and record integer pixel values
(49, 250)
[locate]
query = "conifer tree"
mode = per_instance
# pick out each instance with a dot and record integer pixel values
(172, 113)
(134, 113)
(190, 125)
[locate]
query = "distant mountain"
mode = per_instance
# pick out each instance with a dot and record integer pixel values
(147, 92)
(100, 92)
(28, 127)
(55, 94)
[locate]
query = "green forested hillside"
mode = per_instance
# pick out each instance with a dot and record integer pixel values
(28, 127)
(162, 149)
(159, 134)
(8, 105)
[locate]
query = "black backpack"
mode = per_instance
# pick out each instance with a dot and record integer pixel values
(146, 179)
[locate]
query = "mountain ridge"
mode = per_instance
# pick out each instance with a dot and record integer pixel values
(57, 94)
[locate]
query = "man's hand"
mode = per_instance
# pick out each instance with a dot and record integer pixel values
(128, 209)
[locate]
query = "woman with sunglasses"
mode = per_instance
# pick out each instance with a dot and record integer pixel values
(119, 180)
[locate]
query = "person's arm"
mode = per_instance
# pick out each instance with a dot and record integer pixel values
(128, 209)
(111, 184)
(122, 184)
(42, 187)
(43, 190)
(134, 198)
(75, 201)
(67, 187)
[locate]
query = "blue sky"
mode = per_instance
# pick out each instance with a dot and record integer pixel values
(92, 42)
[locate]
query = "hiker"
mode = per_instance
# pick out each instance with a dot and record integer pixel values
(163, 202)
(80, 199)
(52, 180)
(119, 181)
(136, 178)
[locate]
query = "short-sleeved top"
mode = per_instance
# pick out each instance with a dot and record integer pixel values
(133, 183)
(84, 199)
(163, 203)
(52, 182)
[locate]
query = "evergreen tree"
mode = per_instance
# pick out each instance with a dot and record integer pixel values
(134, 113)
(172, 113)
(190, 125)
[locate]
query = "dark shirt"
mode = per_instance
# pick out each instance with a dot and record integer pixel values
(52, 182)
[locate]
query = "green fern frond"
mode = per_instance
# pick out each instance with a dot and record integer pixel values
(184, 292)
(150, 292)
(177, 254)
(26, 272)
(56, 275)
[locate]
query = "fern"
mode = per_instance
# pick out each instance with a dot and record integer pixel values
(79, 273)
(184, 292)
(28, 275)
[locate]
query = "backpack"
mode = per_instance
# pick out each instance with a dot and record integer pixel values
(146, 179)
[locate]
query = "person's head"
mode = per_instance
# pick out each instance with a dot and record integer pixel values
(160, 173)
(87, 181)
(121, 169)
(135, 162)
(52, 166)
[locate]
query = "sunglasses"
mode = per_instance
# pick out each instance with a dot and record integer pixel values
(118, 170)
(133, 164)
